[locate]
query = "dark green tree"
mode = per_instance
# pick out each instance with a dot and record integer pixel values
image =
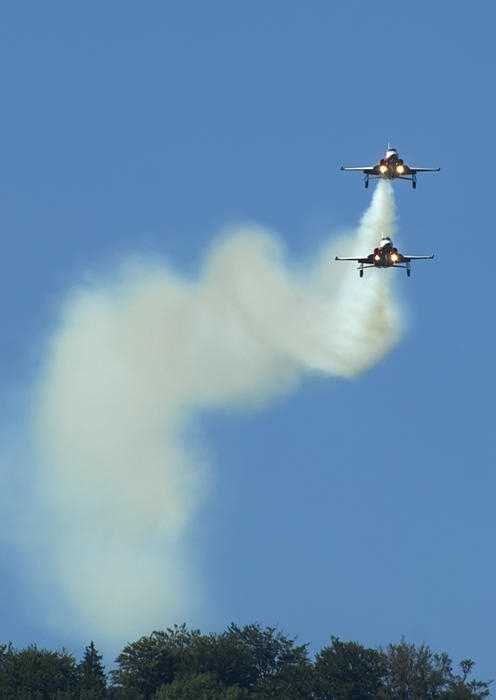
(145, 665)
(36, 674)
(120, 693)
(201, 686)
(269, 664)
(348, 671)
(263, 662)
(242, 663)
(92, 681)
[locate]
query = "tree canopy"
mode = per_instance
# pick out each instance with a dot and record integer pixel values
(241, 663)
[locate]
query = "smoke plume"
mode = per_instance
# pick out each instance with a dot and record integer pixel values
(117, 482)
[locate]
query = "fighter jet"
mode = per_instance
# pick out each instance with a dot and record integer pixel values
(385, 255)
(392, 167)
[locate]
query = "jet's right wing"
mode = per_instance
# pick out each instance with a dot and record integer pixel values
(417, 257)
(424, 170)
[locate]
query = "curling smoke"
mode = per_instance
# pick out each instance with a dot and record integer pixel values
(130, 362)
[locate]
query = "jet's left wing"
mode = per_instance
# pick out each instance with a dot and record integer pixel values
(360, 260)
(370, 169)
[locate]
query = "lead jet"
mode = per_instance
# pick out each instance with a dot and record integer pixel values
(385, 255)
(392, 167)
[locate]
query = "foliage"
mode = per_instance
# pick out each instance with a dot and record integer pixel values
(250, 658)
(201, 686)
(145, 665)
(459, 689)
(36, 674)
(416, 673)
(92, 681)
(348, 671)
(241, 663)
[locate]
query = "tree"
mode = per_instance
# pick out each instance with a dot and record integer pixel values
(348, 671)
(241, 663)
(152, 661)
(458, 688)
(269, 664)
(36, 674)
(415, 673)
(263, 662)
(92, 681)
(202, 686)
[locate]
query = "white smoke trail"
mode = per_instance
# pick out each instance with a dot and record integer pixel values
(117, 485)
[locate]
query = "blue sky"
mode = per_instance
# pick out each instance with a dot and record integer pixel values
(362, 508)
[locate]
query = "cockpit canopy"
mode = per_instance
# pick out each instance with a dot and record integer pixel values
(385, 241)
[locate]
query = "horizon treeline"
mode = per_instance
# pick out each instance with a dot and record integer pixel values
(242, 663)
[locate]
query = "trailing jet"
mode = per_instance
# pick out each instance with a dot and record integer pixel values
(385, 255)
(392, 167)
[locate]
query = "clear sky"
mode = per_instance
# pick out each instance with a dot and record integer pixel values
(361, 508)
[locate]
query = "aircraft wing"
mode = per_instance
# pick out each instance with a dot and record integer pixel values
(364, 260)
(370, 169)
(424, 170)
(407, 258)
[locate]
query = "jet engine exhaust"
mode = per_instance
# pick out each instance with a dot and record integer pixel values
(132, 361)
